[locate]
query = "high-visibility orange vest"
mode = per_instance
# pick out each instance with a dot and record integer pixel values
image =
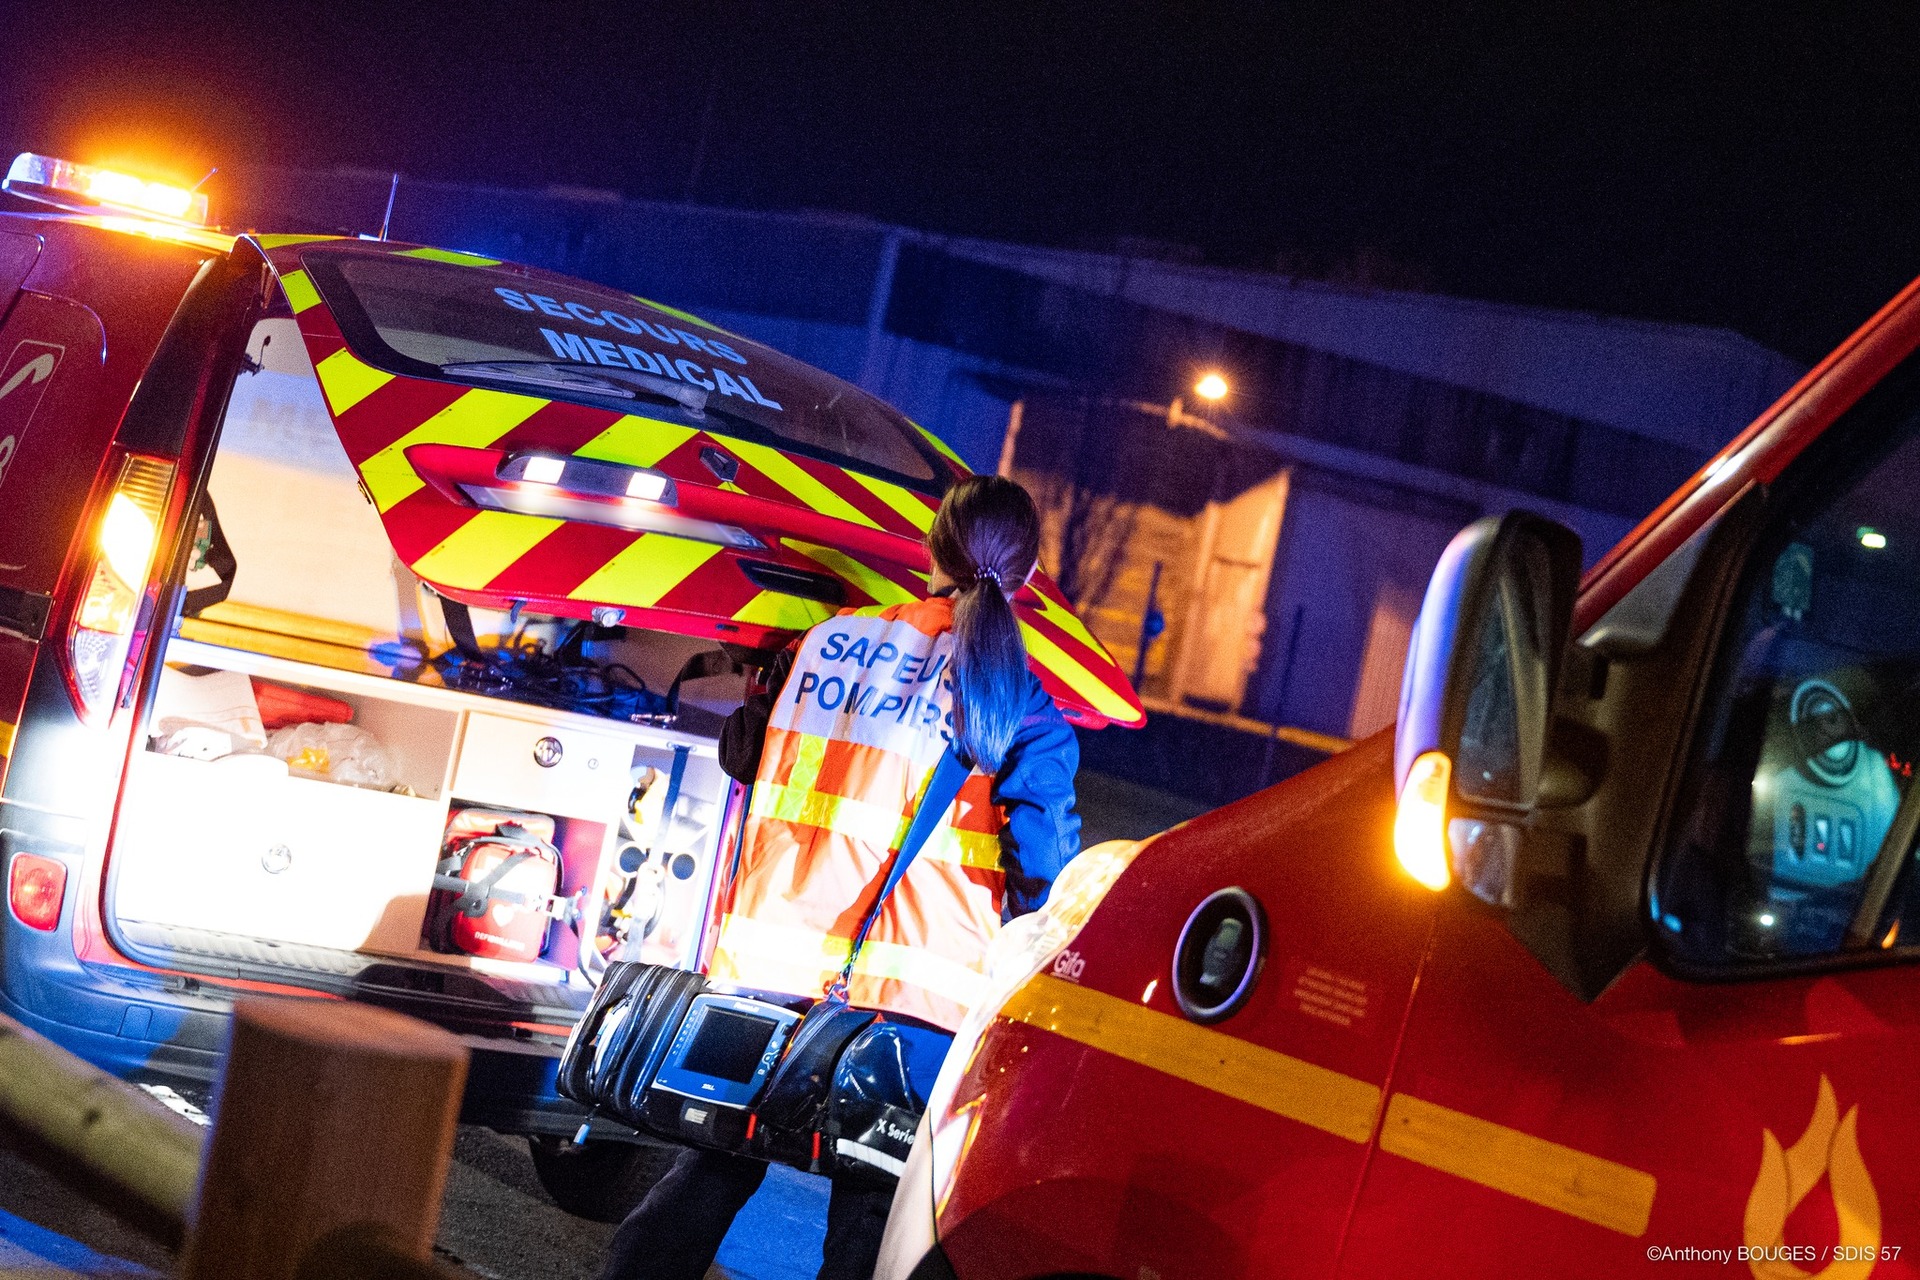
(854, 735)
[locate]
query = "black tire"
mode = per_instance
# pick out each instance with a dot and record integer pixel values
(600, 1181)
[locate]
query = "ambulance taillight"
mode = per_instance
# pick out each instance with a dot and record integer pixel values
(100, 641)
(36, 888)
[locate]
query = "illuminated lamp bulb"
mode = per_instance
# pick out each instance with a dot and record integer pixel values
(1420, 823)
(541, 470)
(126, 538)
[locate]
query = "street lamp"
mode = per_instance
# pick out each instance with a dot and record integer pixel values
(1212, 387)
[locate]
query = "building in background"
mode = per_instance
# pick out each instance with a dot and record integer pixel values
(1286, 534)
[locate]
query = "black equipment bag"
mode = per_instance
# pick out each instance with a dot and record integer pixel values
(793, 1110)
(630, 1025)
(880, 1088)
(579, 1075)
(662, 998)
(619, 1042)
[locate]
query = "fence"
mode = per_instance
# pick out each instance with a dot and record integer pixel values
(326, 1160)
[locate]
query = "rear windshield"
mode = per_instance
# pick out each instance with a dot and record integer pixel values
(500, 328)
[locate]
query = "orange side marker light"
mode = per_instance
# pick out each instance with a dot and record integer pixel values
(1420, 823)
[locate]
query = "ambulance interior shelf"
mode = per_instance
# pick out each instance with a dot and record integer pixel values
(550, 670)
(309, 859)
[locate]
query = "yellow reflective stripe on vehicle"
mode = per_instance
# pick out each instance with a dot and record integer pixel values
(481, 549)
(300, 291)
(1585, 1186)
(788, 474)
(1286, 1086)
(652, 565)
(281, 242)
(1548, 1174)
(688, 316)
(940, 444)
(778, 609)
(476, 420)
(636, 442)
(872, 581)
(1078, 678)
(922, 968)
(916, 512)
(449, 255)
(347, 381)
(7, 732)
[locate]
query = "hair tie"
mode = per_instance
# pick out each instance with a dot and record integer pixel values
(987, 573)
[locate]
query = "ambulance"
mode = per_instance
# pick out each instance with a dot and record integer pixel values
(368, 612)
(1599, 963)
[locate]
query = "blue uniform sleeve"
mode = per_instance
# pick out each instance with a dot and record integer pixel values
(1035, 787)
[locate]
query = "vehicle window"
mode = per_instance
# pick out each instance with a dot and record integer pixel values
(1796, 838)
(1490, 732)
(566, 340)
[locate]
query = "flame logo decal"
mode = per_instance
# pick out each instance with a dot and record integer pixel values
(1787, 1177)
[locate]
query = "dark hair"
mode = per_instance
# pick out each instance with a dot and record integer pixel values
(987, 539)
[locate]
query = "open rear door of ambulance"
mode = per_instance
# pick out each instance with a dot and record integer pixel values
(534, 440)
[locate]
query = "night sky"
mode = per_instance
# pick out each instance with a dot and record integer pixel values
(1739, 165)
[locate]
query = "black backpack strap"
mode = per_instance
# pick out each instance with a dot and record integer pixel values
(459, 620)
(942, 789)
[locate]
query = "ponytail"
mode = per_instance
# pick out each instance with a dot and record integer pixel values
(987, 539)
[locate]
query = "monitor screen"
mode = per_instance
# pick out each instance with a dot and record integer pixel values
(727, 1046)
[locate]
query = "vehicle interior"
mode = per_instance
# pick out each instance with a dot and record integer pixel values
(323, 731)
(1800, 833)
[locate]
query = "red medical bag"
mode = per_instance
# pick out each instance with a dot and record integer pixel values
(494, 890)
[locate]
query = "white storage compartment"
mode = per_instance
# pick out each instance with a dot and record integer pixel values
(236, 846)
(524, 764)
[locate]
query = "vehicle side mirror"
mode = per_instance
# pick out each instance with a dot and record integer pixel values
(1476, 708)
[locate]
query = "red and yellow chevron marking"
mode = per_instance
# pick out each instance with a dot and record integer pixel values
(862, 531)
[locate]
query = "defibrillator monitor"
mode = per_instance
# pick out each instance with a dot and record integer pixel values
(726, 1049)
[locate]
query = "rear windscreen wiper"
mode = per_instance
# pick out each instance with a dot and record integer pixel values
(583, 379)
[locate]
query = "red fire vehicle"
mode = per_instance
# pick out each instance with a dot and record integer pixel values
(366, 615)
(1604, 966)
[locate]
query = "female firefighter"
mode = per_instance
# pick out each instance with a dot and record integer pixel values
(855, 716)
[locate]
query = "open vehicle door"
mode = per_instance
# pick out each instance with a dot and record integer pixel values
(533, 439)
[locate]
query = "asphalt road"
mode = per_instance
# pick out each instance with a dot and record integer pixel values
(499, 1224)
